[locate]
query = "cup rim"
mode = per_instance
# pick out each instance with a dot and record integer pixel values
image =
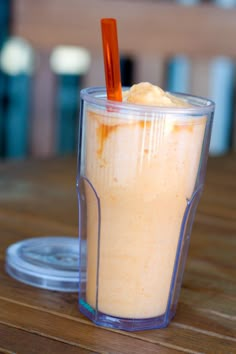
(97, 96)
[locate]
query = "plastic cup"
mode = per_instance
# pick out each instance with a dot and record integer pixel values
(141, 172)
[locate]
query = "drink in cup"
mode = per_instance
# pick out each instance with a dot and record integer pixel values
(142, 165)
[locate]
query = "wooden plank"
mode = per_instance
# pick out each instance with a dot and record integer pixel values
(14, 340)
(29, 190)
(207, 278)
(204, 284)
(32, 199)
(144, 26)
(71, 330)
(205, 319)
(74, 332)
(208, 281)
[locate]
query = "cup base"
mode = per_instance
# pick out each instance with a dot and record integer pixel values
(126, 324)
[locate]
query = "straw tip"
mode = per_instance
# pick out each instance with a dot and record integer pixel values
(108, 20)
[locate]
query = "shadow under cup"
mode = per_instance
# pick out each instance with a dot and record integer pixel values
(140, 178)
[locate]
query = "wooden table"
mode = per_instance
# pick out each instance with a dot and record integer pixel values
(39, 198)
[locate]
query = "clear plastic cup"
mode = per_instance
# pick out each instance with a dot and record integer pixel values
(141, 172)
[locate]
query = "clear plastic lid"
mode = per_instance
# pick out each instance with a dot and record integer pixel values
(45, 262)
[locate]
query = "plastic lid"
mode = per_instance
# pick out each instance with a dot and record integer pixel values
(45, 262)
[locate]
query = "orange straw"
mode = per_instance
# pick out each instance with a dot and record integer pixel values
(111, 59)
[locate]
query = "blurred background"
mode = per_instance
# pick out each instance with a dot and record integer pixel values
(50, 49)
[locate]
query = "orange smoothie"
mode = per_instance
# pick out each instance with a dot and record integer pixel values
(144, 170)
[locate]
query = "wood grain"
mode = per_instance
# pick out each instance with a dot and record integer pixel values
(73, 331)
(15, 340)
(39, 198)
(144, 26)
